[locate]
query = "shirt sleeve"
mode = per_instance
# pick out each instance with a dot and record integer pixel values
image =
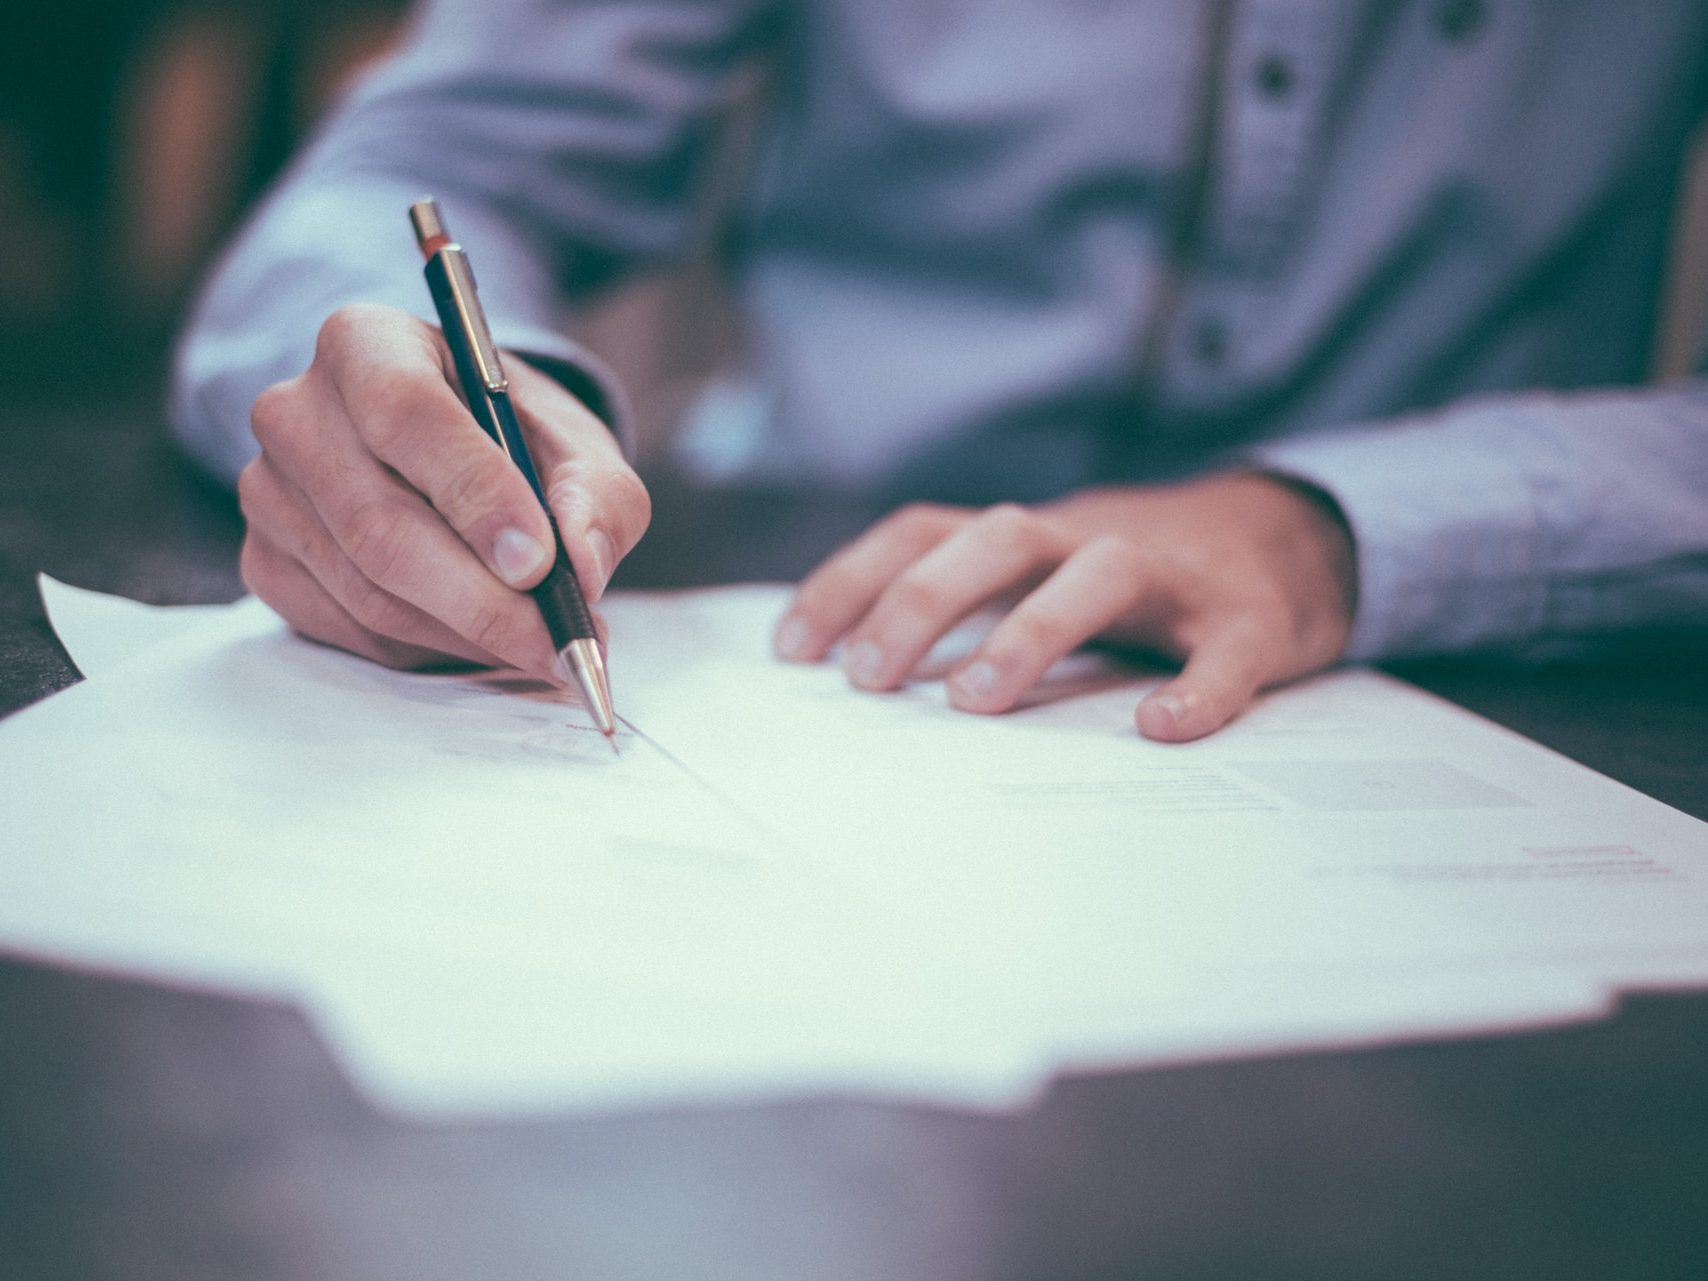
(563, 141)
(1529, 524)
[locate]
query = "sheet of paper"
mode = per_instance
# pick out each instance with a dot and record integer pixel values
(485, 908)
(101, 631)
(785, 886)
(1347, 832)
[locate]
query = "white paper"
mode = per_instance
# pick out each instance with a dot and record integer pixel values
(101, 631)
(785, 886)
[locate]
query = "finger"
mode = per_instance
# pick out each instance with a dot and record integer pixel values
(394, 379)
(600, 505)
(1101, 582)
(1221, 676)
(838, 593)
(280, 514)
(400, 544)
(1001, 549)
(295, 595)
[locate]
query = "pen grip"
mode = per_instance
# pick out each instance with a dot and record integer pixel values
(560, 600)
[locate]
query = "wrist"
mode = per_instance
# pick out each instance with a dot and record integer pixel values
(1316, 537)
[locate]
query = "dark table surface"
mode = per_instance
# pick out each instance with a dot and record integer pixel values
(147, 1132)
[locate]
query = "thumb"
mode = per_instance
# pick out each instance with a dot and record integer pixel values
(1220, 678)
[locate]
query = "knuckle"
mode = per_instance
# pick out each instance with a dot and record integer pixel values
(376, 538)
(840, 572)
(344, 329)
(570, 485)
(250, 487)
(1263, 617)
(922, 519)
(613, 495)
(818, 592)
(565, 481)
(491, 627)
(915, 596)
(390, 422)
(271, 415)
(1116, 559)
(472, 489)
(633, 499)
(376, 610)
(336, 332)
(1031, 632)
(563, 494)
(1010, 526)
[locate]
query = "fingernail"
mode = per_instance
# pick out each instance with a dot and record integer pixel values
(516, 556)
(1171, 705)
(794, 639)
(864, 663)
(604, 557)
(976, 681)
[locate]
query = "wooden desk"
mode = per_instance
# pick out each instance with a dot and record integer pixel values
(153, 1133)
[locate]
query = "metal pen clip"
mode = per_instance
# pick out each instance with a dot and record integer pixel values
(435, 239)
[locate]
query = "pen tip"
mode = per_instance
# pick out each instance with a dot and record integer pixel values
(611, 738)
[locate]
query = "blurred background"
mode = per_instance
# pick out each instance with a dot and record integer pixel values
(132, 135)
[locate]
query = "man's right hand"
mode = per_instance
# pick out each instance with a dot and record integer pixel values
(383, 520)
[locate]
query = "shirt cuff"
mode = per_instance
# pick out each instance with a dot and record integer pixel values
(1447, 548)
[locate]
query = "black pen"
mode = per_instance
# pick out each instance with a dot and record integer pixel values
(487, 390)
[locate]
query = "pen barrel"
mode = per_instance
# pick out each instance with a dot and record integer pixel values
(561, 603)
(469, 381)
(559, 597)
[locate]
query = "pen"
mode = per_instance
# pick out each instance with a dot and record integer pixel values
(487, 390)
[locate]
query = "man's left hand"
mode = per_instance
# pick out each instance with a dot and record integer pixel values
(1245, 578)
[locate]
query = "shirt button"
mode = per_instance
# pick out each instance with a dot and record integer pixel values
(1459, 20)
(1273, 76)
(1210, 341)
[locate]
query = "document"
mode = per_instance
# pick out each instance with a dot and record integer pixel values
(781, 886)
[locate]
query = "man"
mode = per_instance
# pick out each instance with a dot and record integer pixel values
(1240, 314)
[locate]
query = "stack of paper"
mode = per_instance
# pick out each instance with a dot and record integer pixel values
(782, 885)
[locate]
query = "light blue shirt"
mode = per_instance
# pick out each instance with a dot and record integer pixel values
(1000, 249)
